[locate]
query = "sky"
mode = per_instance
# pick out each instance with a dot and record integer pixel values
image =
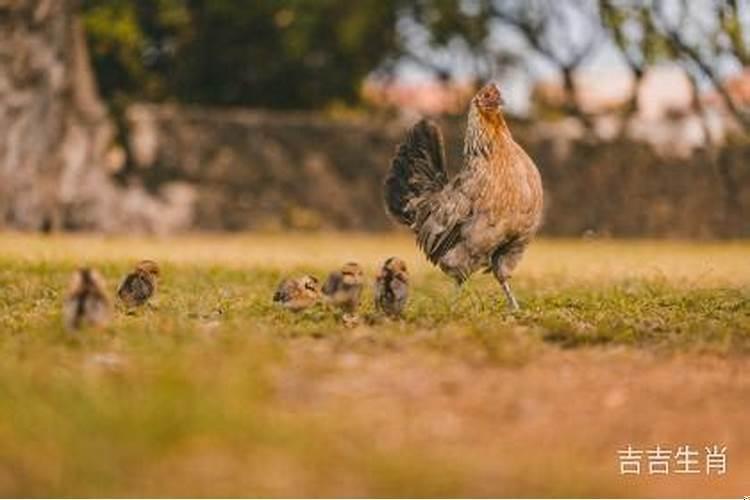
(517, 82)
(572, 28)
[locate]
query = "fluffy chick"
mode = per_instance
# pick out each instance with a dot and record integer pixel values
(139, 285)
(392, 287)
(343, 288)
(297, 294)
(86, 302)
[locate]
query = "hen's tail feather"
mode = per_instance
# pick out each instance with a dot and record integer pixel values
(417, 169)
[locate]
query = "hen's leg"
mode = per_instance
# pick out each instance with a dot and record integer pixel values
(512, 302)
(502, 277)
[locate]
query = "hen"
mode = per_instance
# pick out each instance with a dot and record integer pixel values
(486, 215)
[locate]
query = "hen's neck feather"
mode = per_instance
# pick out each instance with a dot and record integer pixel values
(487, 135)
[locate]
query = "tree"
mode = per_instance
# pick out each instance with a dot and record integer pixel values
(55, 130)
(703, 38)
(263, 53)
(561, 34)
(710, 40)
(56, 133)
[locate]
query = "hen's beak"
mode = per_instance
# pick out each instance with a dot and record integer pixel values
(498, 95)
(489, 97)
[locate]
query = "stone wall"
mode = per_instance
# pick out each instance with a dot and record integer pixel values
(256, 170)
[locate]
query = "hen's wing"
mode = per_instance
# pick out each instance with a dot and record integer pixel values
(440, 221)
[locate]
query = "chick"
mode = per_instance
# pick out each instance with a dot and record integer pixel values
(343, 288)
(297, 294)
(140, 285)
(392, 287)
(86, 302)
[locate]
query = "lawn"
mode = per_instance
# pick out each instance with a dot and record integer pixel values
(213, 391)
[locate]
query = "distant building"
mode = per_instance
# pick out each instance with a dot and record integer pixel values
(738, 88)
(663, 91)
(425, 98)
(665, 116)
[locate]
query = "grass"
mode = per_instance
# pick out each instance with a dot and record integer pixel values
(215, 392)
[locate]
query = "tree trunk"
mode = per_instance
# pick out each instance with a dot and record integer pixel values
(55, 133)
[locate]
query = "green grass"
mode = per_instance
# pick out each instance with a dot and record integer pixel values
(203, 394)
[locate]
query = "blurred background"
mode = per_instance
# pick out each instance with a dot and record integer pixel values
(164, 116)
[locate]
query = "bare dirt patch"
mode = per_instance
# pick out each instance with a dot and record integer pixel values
(551, 426)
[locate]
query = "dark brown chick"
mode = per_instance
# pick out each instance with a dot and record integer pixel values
(343, 288)
(139, 285)
(392, 287)
(486, 215)
(297, 294)
(86, 301)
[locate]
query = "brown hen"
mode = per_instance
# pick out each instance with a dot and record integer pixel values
(486, 215)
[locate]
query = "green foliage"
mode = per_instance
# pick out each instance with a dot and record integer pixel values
(131, 45)
(447, 19)
(279, 54)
